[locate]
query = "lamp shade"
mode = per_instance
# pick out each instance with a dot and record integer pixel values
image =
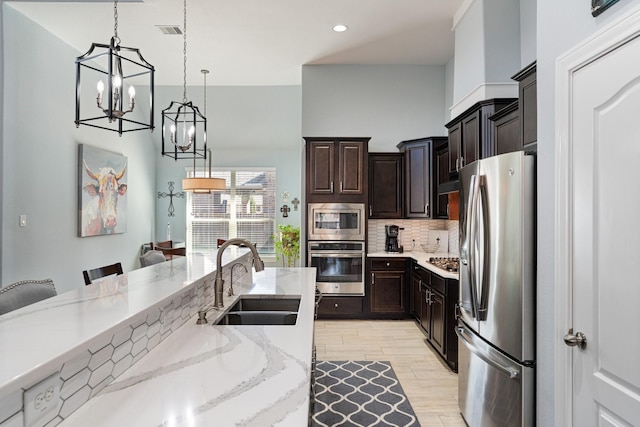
(203, 185)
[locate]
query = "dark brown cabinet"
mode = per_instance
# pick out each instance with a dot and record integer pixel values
(471, 133)
(506, 134)
(387, 290)
(419, 181)
(528, 106)
(434, 310)
(386, 185)
(340, 307)
(336, 169)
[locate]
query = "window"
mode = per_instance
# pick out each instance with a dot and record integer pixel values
(247, 209)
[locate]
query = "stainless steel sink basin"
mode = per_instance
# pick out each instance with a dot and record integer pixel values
(262, 311)
(266, 304)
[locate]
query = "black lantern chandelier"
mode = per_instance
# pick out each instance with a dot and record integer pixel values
(183, 126)
(113, 67)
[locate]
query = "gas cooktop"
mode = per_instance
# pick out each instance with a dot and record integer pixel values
(449, 264)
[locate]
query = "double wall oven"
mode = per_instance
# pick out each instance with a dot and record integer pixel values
(336, 247)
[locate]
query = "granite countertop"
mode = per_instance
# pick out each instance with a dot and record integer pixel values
(205, 375)
(421, 258)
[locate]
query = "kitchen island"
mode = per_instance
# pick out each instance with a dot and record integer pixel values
(204, 375)
(127, 351)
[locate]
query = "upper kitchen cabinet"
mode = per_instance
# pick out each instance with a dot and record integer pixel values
(386, 175)
(471, 133)
(528, 106)
(336, 169)
(506, 134)
(420, 183)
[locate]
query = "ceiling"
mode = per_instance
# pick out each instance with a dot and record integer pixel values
(257, 42)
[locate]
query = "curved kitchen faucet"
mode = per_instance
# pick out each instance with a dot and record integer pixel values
(258, 264)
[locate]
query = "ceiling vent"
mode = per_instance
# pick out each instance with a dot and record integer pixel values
(170, 29)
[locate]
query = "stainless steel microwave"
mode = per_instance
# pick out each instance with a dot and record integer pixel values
(336, 221)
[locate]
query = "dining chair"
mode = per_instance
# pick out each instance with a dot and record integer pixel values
(96, 273)
(25, 292)
(152, 257)
(169, 253)
(162, 245)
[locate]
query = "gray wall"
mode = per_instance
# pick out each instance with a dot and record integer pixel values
(528, 21)
(39, 169)
(248, 126)
(561, 25)
(389, 103)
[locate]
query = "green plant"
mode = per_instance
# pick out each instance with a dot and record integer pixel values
(287, 244)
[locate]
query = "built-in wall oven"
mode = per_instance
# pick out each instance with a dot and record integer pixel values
(339, 266)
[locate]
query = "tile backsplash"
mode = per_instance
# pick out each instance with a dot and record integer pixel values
(414, 229)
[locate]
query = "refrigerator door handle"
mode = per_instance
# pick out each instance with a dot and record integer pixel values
(480, 252)
(472, 238)
(511, 372)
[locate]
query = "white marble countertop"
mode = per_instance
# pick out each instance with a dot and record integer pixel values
(204, 375)
(44, 333)
(421, 258)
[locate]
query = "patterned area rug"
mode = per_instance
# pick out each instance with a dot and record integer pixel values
(360, 394)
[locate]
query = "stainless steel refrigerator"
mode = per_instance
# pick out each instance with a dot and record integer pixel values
(496, 323)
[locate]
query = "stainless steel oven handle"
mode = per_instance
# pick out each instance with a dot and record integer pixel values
(335, 255)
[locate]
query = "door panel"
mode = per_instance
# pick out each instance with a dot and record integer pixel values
(605, 228)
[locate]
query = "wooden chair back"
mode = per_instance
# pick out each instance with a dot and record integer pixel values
(170, 252)
(96, 273)
(163, 245)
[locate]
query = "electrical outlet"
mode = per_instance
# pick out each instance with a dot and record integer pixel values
(42, 401)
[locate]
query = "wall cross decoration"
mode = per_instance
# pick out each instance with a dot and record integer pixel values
(170, 195)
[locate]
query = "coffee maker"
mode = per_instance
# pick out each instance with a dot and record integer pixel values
(391, 242)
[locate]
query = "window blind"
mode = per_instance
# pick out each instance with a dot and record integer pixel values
(246, 209)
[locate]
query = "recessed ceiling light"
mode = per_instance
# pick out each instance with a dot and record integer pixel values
(340, 28)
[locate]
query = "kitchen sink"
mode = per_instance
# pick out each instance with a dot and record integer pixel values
(262, 311)
(266, 304)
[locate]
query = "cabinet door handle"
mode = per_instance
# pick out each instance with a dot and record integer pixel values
(426, 209)
(458, 164)
(461, 162)
(332, 186)
(373, 279)
(341, 187)
(370, 210)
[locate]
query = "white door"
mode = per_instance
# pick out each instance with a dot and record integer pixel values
(604, 236)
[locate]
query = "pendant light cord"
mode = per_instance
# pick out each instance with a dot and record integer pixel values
(184, 51)
(115, 21)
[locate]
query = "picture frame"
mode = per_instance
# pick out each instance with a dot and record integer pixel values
(599, 6)
(102, 192)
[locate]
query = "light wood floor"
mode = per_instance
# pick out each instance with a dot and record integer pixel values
(431, 387)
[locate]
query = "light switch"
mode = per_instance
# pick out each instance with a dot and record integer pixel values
(23, 220)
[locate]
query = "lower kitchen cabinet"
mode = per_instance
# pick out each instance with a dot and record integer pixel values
(387, 289)
(434, 302)
(340, 307)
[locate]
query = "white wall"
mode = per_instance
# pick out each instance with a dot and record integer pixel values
(389, 103)
(248, 126)
(39, 167)
(561, 25)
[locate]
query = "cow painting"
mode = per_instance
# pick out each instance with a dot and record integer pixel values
(104, 187)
